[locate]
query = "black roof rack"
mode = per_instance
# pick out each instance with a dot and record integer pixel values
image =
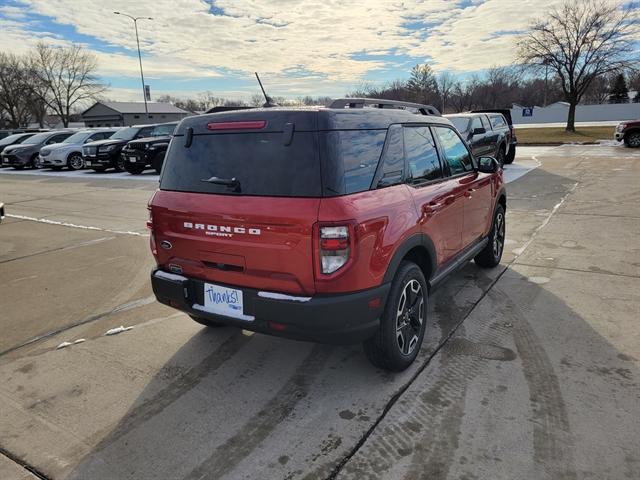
(221, 108)
(378, 103)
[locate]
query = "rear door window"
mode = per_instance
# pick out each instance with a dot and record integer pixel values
(421, 154)
(260, 163)
(485, 122)
(497, 121)
(455, 152)
(476, 123)
(391, 168)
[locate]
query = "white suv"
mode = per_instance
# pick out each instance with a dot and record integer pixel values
(69, 152)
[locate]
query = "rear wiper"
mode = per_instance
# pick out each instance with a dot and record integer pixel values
(227, 182)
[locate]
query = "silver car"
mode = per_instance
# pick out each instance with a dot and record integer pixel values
(69, 152)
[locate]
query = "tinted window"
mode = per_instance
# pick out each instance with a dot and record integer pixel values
(351, 159)
(17, 138)
(97, 136)
(461, 123)
(38, 138)
(260, 162)
(162, 130)
(421, 154)
(125, 134)
(457, 156)
(145, 132)
(76, 138)
(58, 138)
(392, 162)
(485, 122)
(498, 121)
(476, 123)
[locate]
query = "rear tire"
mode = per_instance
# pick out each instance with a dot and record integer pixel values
(206, 322)
(120, 164)
(157, 162)
(508, 160)
(491, 254)
(500, 156)
(34, 162)
(403, 323)
(632, 140)
(135, 169)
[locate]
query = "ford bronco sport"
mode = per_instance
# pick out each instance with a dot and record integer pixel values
(322, 224)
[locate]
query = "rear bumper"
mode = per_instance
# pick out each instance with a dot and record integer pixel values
(335, 319)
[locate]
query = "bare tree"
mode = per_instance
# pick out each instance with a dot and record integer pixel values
(581, 41)
(65, 78)
(14, 98)
(445, 82)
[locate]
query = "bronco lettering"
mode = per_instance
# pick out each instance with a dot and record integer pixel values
(222, 228)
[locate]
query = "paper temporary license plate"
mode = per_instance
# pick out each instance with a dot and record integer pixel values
(224, 301)
(132, 159)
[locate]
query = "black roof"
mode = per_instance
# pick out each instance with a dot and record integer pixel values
(312, 118)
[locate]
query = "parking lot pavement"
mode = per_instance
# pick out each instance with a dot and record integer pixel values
(529, 370)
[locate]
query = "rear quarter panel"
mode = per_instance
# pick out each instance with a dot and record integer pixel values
(383, 219)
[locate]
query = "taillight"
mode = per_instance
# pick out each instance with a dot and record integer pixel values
(150, 220)
(237, 125)
(335, 247)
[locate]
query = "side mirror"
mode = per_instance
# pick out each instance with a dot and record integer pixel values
(478, 131)
(488, 165)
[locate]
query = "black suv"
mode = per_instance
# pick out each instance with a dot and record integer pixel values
(103, 154)
(149, 151)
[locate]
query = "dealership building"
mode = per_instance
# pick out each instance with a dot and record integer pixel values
(124, 114)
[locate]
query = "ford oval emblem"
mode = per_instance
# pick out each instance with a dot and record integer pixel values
(166, 244)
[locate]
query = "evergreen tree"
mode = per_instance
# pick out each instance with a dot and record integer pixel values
(422, 84)
(619, 91)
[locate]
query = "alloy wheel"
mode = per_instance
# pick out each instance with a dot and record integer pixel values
(409, 317)
(634, 140)
(76, 162)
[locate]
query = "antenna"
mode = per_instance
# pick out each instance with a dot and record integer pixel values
(269, 101)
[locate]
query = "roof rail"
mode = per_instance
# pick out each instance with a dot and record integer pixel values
(378, 103)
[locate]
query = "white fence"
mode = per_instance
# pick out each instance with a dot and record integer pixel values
(557, 112)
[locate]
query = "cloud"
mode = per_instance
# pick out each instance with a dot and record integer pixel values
(301, 47)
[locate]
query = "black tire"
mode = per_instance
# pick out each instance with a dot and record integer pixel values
(632, 139)
(157, 162)
(120, 164)
(491, 254)
(508, 160)
(390, 348)
(75, 161)
(206, 322)
(134, 169)
(34, 162)
(500, 156)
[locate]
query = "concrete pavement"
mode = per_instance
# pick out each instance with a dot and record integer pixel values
(528, 371)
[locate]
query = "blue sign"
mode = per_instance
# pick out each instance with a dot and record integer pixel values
(527, 112)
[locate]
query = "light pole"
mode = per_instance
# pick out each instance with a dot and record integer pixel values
(135, 23)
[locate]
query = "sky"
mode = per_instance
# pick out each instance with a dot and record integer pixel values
(299, 47)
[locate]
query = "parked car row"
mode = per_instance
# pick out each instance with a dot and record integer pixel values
(131, 148)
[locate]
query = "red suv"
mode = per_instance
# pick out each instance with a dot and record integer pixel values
(322, 224)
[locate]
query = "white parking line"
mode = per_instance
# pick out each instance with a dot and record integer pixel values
(83, 174)
(73, 225)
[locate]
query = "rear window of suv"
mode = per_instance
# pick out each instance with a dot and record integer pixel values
(260, 163)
